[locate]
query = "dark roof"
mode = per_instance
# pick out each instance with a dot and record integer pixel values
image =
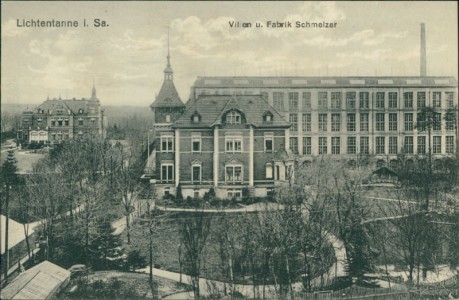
(212, 107)
(72, 104)
(168, 96)
(329, 81)
(384, 171)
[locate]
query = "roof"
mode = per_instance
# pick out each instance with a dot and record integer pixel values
(168, 96)
(212, 107)
(384, 171)
(68, 104)
(334, 81)
(39, 282)
(16, 233)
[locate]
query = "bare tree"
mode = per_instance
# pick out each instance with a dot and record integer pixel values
(194, 231)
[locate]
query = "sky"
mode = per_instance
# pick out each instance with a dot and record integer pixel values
(126, 59)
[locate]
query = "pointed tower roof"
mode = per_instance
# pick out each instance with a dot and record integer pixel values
(93, 94)
(168, 96)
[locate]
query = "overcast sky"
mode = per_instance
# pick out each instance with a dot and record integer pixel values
(127, 58)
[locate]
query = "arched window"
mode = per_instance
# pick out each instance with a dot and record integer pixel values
(233, 117)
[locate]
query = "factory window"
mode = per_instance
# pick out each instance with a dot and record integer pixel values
(336, 122)
(364, 145)
(351, 145)
(393, 122)
(335, 100)
(278, 100)
(293, 101)
(323, 122)
(364, 122)
(408, 122)
(323, 100)
(380, 145)
(436, 97)
(408, 147)
(293, 122)
(421, 144)
(450, 144)
(306, 124)
(306, 100)
(436, 144)
(322, 145)
(335, 145)
(350, 100)
(380, 122)
(408, 99)
(449, 100)
(350, 122)
(294, 145)
(421, 100)
(307, 146)
(393, 99)
(364, 100)
(380, 100)
(393, 145)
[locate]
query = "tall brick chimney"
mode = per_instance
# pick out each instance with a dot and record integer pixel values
(423, 51)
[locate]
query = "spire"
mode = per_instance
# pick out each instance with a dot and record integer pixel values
(93, 95)
(168, 70)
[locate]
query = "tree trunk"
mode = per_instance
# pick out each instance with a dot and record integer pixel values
(7, 253)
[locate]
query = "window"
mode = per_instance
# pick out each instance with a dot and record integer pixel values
(408, 122)
(364, 122)
(380, 145)
(408, 99)
(421, 100)
(350, 100)
(196, 118)
(168, 118)
(364, 100)
(393, 122)
(233, 174)
(53, 123)
(380, 122)
(351, 122)
(307, 146)
(59, 123)
(449, 121)
(323, 100)
(278, 100)
(437, 121)
(392, 99)
(167, 173)
(393, 145)
(294, 144)
(269, 142)
(196, 144)
(293, 101)
(167, 144)
(380, 100)
(336, 122)
(233, 117)
(408, 144)
(322, 145)
(234, 194)
(421, 144)
(306, 100)
(294, 122)
(306, 124)
(268, 116)
(335, 145)
(436, 99)
(364, 145)
(269, 171)
(436, 145)
(323, 122)
(196, 173)
(450, 144)
(66, 122)
(233, 144)
(449, 100)
(351, 145)
(80, 122)
(335, 100)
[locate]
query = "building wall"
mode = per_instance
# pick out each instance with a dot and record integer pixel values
(343, 110)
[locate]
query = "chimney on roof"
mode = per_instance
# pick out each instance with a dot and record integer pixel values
(423, 51)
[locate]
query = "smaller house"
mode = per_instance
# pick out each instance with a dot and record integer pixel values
(384, 176)
(42, 281)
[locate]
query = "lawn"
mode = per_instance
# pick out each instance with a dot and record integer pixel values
(119, 285)
(25, 159)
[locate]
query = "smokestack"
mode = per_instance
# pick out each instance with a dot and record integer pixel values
(423, 51)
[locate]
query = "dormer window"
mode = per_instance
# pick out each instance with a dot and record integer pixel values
(267, 117)
(196, 117)
(168, 118)
(233, 117)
